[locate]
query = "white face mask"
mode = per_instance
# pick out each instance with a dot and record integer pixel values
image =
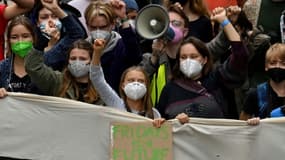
(78, 68)
(135, 90)
(100, 34)
(190, 68)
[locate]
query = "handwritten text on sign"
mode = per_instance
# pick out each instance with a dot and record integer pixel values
(141, 141)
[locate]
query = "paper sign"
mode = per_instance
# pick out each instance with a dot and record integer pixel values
(141, 141)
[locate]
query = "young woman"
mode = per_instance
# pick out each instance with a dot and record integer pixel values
(268, 99)
(7, 12)
(133, 89)
(20, 38)
(122, 49)
(195, 88)
(73, 82)
(51, 20)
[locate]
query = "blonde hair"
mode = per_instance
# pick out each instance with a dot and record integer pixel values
(99, 8)
(276, 51)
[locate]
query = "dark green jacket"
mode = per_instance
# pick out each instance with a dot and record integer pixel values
(45, 78)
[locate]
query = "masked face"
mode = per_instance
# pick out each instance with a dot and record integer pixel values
(178, 34)
(100, 34)
(276, 74)
(21, 48)
(190, 68)
(78, 68)
(46, 27)
(135, 90)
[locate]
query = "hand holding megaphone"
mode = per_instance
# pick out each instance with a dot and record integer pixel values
(158, 46)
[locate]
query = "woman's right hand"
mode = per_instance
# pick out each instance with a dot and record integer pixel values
(3, 92)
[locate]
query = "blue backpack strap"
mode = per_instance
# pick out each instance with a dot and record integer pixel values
(262, 95)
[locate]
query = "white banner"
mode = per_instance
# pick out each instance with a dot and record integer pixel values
(50, 128)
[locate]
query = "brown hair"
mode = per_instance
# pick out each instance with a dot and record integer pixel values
(19, 20)
(202, 49)
(277, 50)
(177, 10)
(146, 99)
(69, 81)
(98, 8)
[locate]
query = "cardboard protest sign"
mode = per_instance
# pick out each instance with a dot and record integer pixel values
(141, 141)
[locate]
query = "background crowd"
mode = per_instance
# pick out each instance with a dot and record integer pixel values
(225, 60)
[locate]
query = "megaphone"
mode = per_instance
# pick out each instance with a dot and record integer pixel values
(152, 22)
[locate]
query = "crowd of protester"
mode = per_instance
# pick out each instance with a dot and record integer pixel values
(219, 64)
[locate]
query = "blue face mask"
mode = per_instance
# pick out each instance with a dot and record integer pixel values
(43, 25)
(57, 24)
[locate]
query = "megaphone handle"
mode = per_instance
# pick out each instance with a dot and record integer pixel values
(158, 44)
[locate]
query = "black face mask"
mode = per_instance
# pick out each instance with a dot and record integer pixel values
(276, 74)
(182, 2)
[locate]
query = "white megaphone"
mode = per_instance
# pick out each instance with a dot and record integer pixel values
(152, 22)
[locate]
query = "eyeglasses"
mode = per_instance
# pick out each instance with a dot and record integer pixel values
(176, 23)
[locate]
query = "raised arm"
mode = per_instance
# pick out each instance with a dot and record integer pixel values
(107, 94)
(25, 4)
(234, 69)
(56, 56)
(17, 8)
(47, 80)
(130, 39)
(220, 44)
(53, 6)
(219, 15)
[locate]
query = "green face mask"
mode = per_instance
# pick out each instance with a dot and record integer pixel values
(21, 48)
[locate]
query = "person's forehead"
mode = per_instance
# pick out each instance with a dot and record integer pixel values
(45, 11)
(135, 73)
(175, 16)
(79, 52)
